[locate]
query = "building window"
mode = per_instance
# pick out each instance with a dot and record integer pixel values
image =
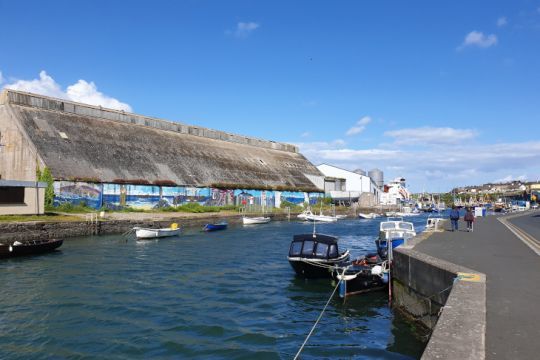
(11, 195)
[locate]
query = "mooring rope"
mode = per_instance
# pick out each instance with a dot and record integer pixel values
(319, 318)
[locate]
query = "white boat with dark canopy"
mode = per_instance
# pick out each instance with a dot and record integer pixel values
(149, 233)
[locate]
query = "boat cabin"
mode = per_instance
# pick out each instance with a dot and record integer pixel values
(314, 246)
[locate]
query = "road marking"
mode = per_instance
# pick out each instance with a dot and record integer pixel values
(527, 239)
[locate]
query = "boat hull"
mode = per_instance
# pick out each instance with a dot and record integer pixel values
(30, 248)
(214, 227)
(358, 281)
(316, 268)
(156, 233)
(255, 220)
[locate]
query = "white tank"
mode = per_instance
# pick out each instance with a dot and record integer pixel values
(377, 176)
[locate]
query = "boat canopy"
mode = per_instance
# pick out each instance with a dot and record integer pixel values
(396, 225)
(314, 246)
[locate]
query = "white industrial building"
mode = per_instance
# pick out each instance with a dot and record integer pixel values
(350, 186)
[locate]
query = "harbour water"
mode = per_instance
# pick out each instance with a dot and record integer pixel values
(223, 295)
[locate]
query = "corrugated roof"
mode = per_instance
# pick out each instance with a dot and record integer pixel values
(79, 145)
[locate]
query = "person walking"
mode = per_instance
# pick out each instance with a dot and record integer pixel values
(454, 218)
(469, 218)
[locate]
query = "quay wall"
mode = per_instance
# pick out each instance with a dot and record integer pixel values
(437, 294)
(34, 230)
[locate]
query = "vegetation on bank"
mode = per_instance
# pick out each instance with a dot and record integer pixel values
(44, 217)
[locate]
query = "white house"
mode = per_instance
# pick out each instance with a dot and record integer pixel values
(349, 186)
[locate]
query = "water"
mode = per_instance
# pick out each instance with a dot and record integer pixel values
(223, 295)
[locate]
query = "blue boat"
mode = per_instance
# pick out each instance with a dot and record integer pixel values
(396, 231)
(215, 227)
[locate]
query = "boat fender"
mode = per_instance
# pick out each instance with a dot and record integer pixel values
(385, 278)
(377, 270)
(174, 226)
(10, 248)
(342, 289)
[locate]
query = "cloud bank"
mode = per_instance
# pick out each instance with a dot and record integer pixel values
(82, 91)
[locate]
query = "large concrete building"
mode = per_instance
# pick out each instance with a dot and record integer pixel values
(103, 156)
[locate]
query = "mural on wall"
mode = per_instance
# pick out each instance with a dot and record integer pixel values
(150, 197)
(254, 197)
(77, 193)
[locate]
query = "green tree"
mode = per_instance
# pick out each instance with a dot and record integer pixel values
(45, 176)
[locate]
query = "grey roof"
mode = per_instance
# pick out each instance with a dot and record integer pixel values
(85, 143)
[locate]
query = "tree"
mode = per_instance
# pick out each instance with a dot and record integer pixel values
(45, 176)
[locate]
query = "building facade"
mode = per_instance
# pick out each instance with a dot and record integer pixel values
(349, 186)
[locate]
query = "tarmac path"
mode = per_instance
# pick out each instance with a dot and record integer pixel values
(513, 280)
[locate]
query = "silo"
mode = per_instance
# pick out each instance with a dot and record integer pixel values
(360, 172)
(377, 176)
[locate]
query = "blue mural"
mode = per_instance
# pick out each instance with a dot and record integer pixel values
(77, 193)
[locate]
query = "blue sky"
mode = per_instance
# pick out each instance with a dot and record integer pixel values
(444, 93)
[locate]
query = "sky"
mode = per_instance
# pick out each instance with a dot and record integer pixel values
(443, 93)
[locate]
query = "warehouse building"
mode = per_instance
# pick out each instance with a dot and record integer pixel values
(107, 158)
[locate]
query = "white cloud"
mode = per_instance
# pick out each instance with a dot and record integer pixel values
(359, 126)
(502, 21)
(433, 168)
(244, 29)
(478, 39)
(82, 91)
(305, 134)
(430, 136)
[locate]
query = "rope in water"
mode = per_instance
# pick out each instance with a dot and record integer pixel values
(318, 319)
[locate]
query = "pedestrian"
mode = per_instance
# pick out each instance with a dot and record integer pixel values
(469, 218)
(454, 218)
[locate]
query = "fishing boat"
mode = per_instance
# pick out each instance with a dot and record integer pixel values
(255, 220)
(149, 233)
(215, 227)
(393, 230)
(315, 255)
(365, 274)
(29, 247)
(368, 216)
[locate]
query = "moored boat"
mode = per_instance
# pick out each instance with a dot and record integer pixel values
(149, 233)
(215, 227)
(315, 255)
(309, 216)
(396, 231)
(363, 275)
(255, 220)
(29, 247)
(368, 216)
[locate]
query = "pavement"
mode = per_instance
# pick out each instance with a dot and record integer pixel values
(513, 277)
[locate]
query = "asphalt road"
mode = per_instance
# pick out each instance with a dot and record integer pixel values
(530, 223)
(513, 281)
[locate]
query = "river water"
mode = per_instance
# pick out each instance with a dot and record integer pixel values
(222, 295)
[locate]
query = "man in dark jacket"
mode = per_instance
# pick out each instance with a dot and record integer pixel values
(454, 217)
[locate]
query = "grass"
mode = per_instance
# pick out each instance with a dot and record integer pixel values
(44, 217)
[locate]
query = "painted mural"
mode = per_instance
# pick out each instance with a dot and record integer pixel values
(151, 197)
(77, 193)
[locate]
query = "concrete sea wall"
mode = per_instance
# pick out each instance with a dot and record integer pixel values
(447, 298)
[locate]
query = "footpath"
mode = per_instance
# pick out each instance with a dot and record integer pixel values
(512, 270)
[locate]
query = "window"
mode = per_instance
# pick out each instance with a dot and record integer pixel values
(322, 250)
(333, 253)
(308, 248)
(11, 195)
(296, 248)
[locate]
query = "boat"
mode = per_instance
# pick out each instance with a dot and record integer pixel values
(368, 216)
(393, 230)
(29, 247)
(315, 255)
(215, 227)
(149, 233)
(255, 220)
(365, 274)
(307, 215)
(433, 223)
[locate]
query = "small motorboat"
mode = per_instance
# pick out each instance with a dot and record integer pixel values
(255, 220)
(368, 216)
(362, 275)
(315, 255)
(309, 216)
(148, 233)
(215, 227)
(396, 231)
(29, 247)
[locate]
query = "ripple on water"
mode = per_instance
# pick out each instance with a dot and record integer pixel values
(227, 295)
